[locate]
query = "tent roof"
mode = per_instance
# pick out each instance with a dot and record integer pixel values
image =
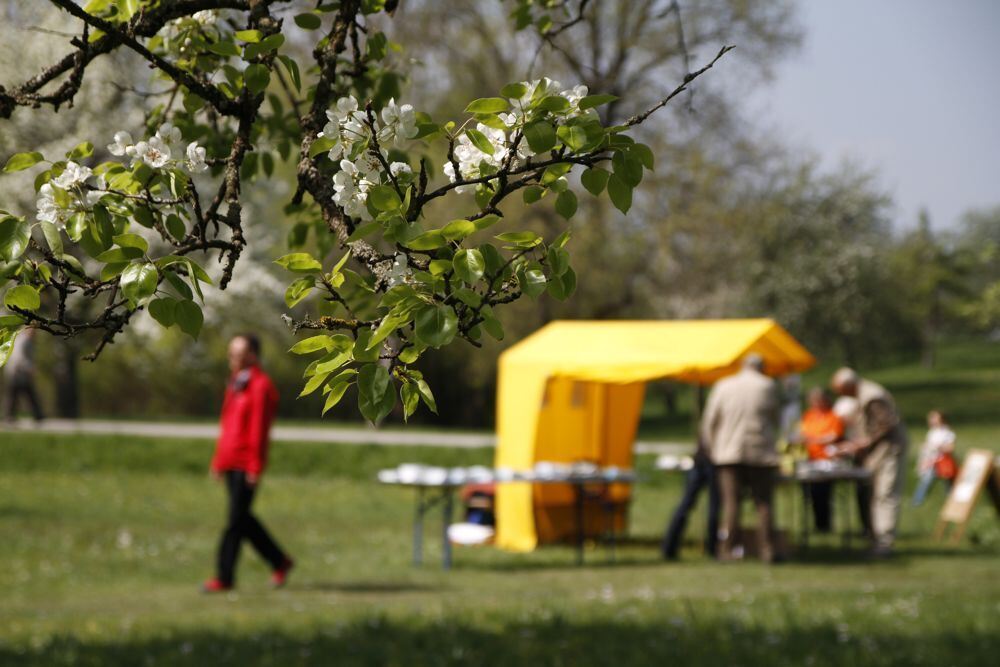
(697, 351)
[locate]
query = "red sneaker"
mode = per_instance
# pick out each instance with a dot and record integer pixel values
(215, 586)
(280, 576)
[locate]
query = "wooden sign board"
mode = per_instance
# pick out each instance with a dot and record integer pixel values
(976, 473)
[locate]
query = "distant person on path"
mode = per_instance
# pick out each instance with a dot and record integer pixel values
(881, 447)
(740, 425)
(821, 429)
(248, 409)
(19, 373)
(698, 478)
(937, 456)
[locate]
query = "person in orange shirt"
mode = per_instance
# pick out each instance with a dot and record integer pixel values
(820, 430)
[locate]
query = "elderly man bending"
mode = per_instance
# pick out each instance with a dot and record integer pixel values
(741, 424)
(881, 448)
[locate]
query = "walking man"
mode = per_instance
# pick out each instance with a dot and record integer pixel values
(740, 426)
(881, 446)
(20, 375)
(700, 476)
(240, 457)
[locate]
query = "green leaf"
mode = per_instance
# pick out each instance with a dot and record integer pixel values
(23, 297)
(119, 255)
(427, 241)
(163, 311)
(53, 237)
(491, 324)
(486, 221)
(82, 149)
(554, 103)
(299, 290)
(469, 265)
(480, 141)
(384, 198)
(574, 136)
(645, 155)
(620, 193)
(555, 172)
(392, 321)
(299, 262)
(250, 36)
(313, 344)
(520, 239)
(457, 230)
(595, 180)
(293, 70)
(566, 204)
(514, 90)
(591, 101)
(488, 105)
(175, 226)
(20, 161)
(362, 352)
(533, 193)
(338, 387)
(435, 325)
(376, 397)
(425, 394)
(14, 235)
(189, 317)
(308, 21)
(540, 135)
(558, 260)
(132, 241)
(138, 281)
(257, 77)
(532, 282)
(411, 399)
(224, 48)
(314, 383)
(627, 167)
(563, 286)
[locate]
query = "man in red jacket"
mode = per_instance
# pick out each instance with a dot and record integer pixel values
(240, 456)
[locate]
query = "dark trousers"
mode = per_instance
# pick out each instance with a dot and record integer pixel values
(758, 481)
(22, 385)
(701, 476)
(241, 523)
(821, 498)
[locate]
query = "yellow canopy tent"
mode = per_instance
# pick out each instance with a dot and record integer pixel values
(573, 391)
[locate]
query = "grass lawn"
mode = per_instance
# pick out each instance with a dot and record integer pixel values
(105, 541)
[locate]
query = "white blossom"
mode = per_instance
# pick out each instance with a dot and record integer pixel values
(154, 152)
(48, 210)
(205, 16)
(196, 158)
(169, 134)
(400, 271)
(73, 174)
(469, 157)
(123, 141)
(575, 94)
(400, 122)
(397, 168)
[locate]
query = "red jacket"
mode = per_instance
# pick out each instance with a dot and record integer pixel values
(247, 412)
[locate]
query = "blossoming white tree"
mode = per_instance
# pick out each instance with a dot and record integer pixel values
(388, 277)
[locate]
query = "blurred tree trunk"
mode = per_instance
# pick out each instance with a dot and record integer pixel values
(66, 379)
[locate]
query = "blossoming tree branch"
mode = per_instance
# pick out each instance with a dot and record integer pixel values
(388, 279)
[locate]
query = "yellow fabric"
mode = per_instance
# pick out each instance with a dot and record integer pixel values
(590, 408)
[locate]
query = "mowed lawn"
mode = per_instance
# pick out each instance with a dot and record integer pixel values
(105, 540)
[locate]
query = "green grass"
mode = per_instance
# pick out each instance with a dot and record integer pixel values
(106, 539)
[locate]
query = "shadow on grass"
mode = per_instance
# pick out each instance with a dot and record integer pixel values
(549, 641)
(387, 587)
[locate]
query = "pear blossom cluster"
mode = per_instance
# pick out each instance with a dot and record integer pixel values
(360, 167)
(471, 160)
(75, 189)
(158, 150)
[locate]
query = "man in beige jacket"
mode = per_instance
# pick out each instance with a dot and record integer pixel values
(881, 446)
(741, 425)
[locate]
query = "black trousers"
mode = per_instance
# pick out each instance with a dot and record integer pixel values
(701, 476)
(241, 523)
(22, 385)
(821, 498)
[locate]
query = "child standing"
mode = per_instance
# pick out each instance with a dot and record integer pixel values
(937, 458)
